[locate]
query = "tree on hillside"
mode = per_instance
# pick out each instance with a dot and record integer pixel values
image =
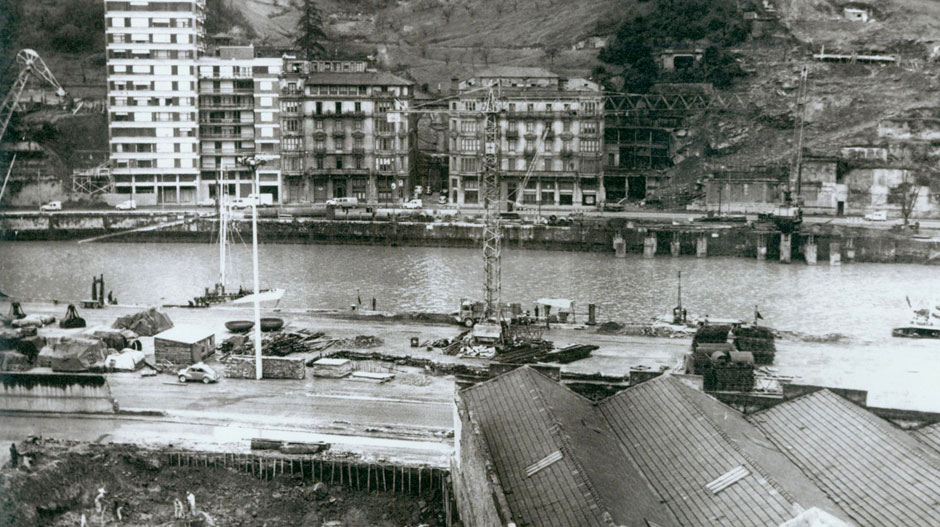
(551, 51)
(906, 193)
(310, 34)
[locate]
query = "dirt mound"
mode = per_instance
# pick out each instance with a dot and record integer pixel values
(63, 482)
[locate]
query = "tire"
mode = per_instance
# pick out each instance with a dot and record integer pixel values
(468, 322)
(205, 380)
(183, 379)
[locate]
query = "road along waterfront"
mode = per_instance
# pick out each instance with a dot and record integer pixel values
(862, 302)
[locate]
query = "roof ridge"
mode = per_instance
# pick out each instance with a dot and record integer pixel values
(734, 444)
(558, 432)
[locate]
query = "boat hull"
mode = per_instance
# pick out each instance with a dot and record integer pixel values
(915, 332)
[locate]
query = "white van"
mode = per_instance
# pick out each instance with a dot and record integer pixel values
(343, 203)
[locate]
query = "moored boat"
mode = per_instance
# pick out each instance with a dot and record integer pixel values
(915, 331)
(239, 326)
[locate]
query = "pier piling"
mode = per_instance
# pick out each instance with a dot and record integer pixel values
(675, 247)
(835, 253)
(620, 246)
(761, 247)
(649, 245)
(810, 251)
(786, 246)
(701, 246)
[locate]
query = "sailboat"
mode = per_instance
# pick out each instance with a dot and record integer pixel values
(218, 294)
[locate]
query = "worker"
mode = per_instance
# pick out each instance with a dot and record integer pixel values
(14, 455)
(191, 498)
(98, 500)
(84, 522)
(110, 298)
(178, 508)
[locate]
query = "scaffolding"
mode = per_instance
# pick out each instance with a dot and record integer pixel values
(93, 181)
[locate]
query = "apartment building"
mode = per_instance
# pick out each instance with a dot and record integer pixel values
(239, 115)
(152, 49)
(551, 128)
(341, 133)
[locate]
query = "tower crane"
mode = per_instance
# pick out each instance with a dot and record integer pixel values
(30, 64)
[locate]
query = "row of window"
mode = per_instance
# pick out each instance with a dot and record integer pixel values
(150, 38)
(382, 164)
(151, 54)
(163, 117)
(152, 132)
(113, 5)
(473, 164)
(137, 148)
(155, 163)
(151, 86)
(152, 101)
(148, 22)
(584, 107)
(472, 126)
(148, 69)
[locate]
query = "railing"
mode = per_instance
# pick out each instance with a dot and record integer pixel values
(226, 121)
(239, 105)
(226, 136)
(233, 91)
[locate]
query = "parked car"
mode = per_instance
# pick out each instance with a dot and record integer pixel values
(344, 203)
(198, 372)
(442, 200)
(126, 205)
(614, 206)
(413, 204)
(52, 205)
(241, 203)
(879, 215)
(208, 202)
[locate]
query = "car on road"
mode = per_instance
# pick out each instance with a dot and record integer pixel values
(413, 204)
(242, 203)
(879, 215)
(614, 206)
(52, 205)
(126, 205)
(343, 203)
(208, 202)
(198, 372)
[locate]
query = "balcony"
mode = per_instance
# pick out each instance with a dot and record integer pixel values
(244, 105)
(512, 134)
(338, 134)
(232, 136)
(319, 151)
(232, 120)
(567, 153)
(347, 115)
(385, 132)
(359, 151)
(230, 91)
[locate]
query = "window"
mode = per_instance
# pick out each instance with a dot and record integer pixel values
(589, 145)
(469, 164)
(319, 144)
(357, 124)
(611, 160)
(385, 143)
(529, 127)
(513, 126)
(290, 106)
(292, 143)
(589, 127)
(358, 107)
(468, 127)
(384, 163)
(318, 124)
(383, 107)
(589, 108)
(292, 125)
(470, 145)
(530, 107)
(470, 106)
(339, 162)
(383, 126)
(513, 145)
(471, 183)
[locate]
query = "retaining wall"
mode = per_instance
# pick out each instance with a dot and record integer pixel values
(56, 392)
(271, 368)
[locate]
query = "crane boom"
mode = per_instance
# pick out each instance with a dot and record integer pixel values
(30, 63)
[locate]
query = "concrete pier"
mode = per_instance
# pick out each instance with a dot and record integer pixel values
(675, 247)
(701, 246)
(761, 248)
(649, 245)
(786, 244)
(620, 247)
(850, 250)
(810, 251)
(835, 253)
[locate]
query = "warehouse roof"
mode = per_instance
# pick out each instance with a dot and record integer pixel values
(880, 475)
(929, 435)
(370, 78)
(659, 452)
(186, 334)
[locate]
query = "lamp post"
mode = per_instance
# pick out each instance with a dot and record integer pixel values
(253, 163)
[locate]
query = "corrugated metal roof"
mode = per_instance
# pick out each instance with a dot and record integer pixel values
(186, 334)
(370, 78)
(880, 475)
(681, 450)
(929, 435)
(515, 72)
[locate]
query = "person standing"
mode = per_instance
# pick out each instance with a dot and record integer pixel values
(14, 455)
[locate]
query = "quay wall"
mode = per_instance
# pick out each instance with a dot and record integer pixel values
(590, 235)
(56, 392)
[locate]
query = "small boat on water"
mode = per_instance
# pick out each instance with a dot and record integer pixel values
(922, 326)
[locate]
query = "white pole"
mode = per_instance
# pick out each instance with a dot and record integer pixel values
(254, 261)
(223, 231)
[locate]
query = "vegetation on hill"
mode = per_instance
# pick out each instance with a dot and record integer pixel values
(712, 24)
(310, 36)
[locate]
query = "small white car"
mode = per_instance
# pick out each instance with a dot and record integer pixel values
(126, 205)
(413, 204)
(343, 203)
(52, 205)
(198, 372)
(208, 202)
(241, 203)
(879, 215)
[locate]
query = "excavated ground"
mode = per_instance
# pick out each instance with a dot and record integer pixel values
(62, 483)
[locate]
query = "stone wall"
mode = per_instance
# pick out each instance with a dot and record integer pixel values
(243, 367)
(477, 490)
(43, 392)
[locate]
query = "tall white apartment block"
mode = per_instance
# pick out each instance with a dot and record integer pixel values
(152, 50)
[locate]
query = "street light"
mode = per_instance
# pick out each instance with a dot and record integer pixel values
(253, 162)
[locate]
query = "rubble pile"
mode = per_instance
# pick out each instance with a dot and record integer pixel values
(145, 323)
(359, 341)
(58, 482)
(278, 344)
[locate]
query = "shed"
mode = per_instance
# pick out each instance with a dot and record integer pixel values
(184, 344)
(332, 368)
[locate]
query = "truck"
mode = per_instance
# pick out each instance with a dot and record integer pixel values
(472, 312)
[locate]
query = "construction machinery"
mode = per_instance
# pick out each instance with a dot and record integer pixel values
(30, 63)
(789, 215)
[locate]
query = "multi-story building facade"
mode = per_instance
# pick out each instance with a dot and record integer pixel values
(343, 133)
(152, 49)
(550, 128)
(239, 116)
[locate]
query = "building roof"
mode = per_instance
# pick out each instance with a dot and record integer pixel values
(515, 72)
(379, 78)
(929, 435)
(659, 452)
(186, 334)
(527, 420)
(879, 474)
(671, 433)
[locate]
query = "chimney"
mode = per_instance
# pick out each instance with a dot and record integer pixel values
(454, 82)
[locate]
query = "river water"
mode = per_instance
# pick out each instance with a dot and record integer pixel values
(861, 301)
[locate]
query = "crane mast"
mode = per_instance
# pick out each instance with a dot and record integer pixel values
(492, 281)
(30, 63)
